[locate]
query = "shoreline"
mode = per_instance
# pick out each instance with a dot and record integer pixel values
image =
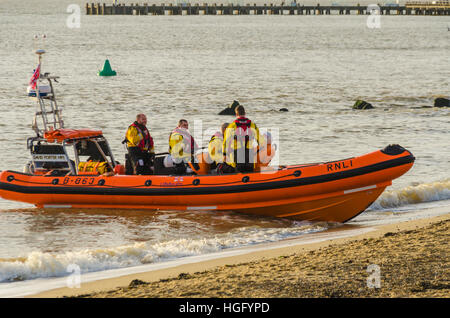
(275, 255)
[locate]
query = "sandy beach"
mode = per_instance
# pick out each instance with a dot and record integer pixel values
(408, 259)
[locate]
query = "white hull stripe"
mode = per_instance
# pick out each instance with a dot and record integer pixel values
(360, 189)
(56, 206)
(201, 208)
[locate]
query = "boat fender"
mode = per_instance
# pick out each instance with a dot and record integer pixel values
(55, 181)
(196, 182)
(148, 183)
(10, 178)
(246, 179)
(101, 182)
(393, 150)
(297, 173)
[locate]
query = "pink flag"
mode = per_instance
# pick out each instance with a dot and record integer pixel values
(35, 77)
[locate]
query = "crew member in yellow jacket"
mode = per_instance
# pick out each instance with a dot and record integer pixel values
(240, 144)
(140, 145)
(182, 146)
(215, 147)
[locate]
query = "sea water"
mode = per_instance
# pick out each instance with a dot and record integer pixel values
(172, 67)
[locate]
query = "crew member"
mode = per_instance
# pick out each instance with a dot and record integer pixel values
(215, 146)
(140, 146)
(266, 151)
(240, 144)
(182, 147)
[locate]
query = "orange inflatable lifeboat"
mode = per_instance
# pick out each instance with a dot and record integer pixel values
(330, 191)
(91, 178)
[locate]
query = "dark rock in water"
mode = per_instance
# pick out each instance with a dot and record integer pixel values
(360, 104)
(284, 110)
(441, 102)
(230, 109)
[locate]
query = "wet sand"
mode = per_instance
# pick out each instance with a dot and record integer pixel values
(409, 259)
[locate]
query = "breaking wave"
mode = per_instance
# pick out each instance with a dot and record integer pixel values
(420, 193)
(43, 265)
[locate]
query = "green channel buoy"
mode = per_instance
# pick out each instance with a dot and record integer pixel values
(107, 71)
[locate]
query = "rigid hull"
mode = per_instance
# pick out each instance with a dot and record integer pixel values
(332, 191)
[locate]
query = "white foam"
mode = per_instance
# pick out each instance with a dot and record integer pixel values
(42, 265)
(419, 193)
(30, 287)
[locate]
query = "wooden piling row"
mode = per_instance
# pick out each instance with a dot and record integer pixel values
(413, 8)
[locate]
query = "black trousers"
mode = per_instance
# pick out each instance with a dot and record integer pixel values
(244, 167)
(242, 159)
(142, 160)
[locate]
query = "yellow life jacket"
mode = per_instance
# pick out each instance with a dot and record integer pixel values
(241, 133)
(215, 148)
(182, 145)
(136, 137)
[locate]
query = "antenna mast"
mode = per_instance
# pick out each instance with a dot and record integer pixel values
(47, 112)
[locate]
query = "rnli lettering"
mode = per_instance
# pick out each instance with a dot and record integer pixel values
(83, 181)
(340, 165)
